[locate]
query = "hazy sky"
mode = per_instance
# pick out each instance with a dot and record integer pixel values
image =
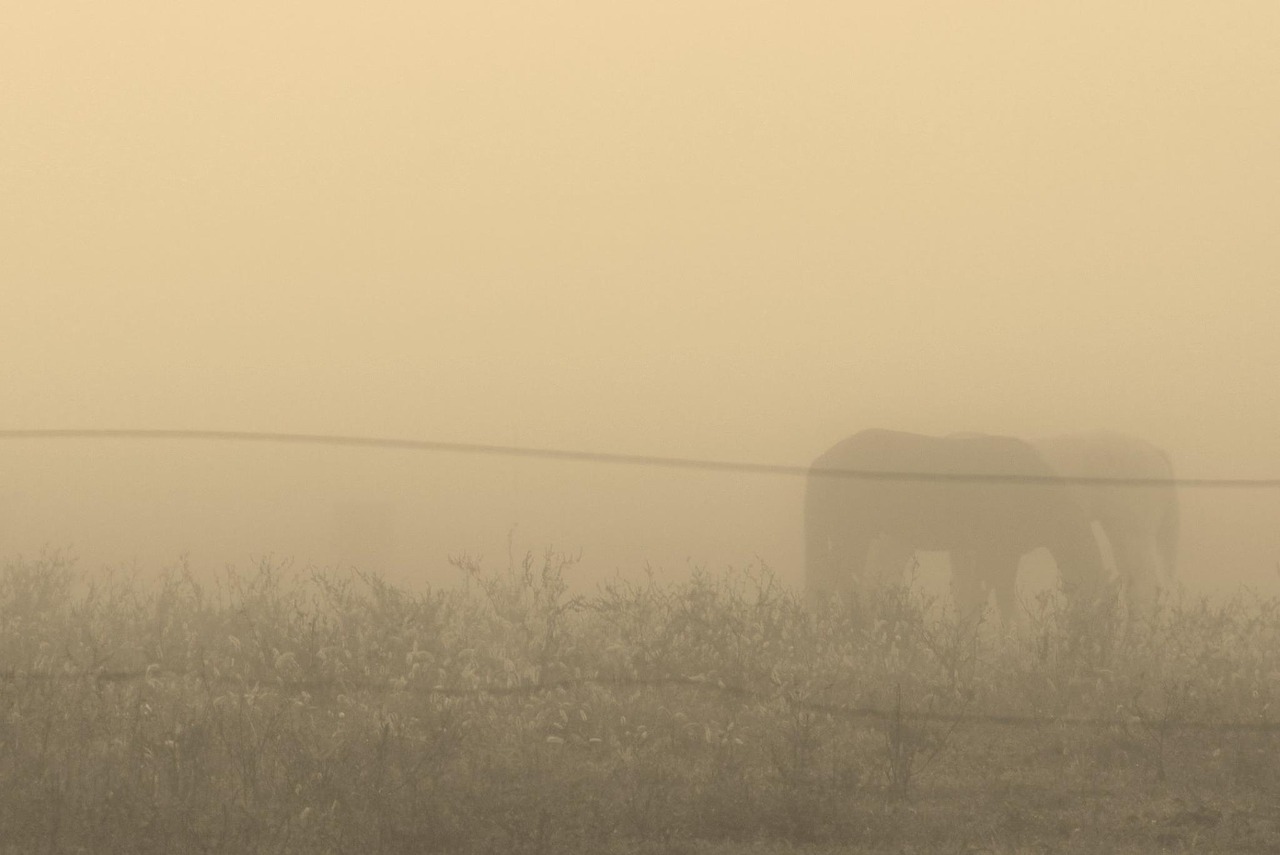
(730, 229)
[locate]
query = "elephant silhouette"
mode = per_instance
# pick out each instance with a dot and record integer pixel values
(1140, 521)
(985, 500)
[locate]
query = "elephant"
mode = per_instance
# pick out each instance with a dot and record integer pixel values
(1140, 522)
(860, 529)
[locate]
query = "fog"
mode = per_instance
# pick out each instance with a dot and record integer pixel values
(731, 231)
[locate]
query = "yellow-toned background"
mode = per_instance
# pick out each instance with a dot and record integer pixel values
(722, 229)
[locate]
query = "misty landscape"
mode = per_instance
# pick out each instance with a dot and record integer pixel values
(671, 428)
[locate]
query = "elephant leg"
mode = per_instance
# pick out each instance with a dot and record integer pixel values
(967, 588)
(849, 563)
(1001, 572)
(887, 561)
(1141, 571)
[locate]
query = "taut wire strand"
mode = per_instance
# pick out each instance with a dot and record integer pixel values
(614, 458)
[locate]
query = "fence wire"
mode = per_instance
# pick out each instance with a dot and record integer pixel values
(791, 699)
(354, 441)
(836, 710)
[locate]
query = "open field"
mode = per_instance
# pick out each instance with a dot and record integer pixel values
(295, 712)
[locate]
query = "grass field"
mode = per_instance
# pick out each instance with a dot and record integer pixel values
(291, 712)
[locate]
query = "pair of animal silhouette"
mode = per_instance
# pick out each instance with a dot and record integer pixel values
(987, 501)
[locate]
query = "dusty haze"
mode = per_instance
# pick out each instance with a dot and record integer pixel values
(729, 230)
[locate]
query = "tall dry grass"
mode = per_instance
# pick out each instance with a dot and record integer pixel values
(288, 711)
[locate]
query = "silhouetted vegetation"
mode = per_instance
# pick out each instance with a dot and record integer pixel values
(306, 712)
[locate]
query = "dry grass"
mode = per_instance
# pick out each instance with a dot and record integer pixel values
(281, 712)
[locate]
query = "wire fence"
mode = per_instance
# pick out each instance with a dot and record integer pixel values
(349, 441)
(677, 683)
(792, 699)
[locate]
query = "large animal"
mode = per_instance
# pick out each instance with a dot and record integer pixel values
(1140, 521)
(915, 493)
